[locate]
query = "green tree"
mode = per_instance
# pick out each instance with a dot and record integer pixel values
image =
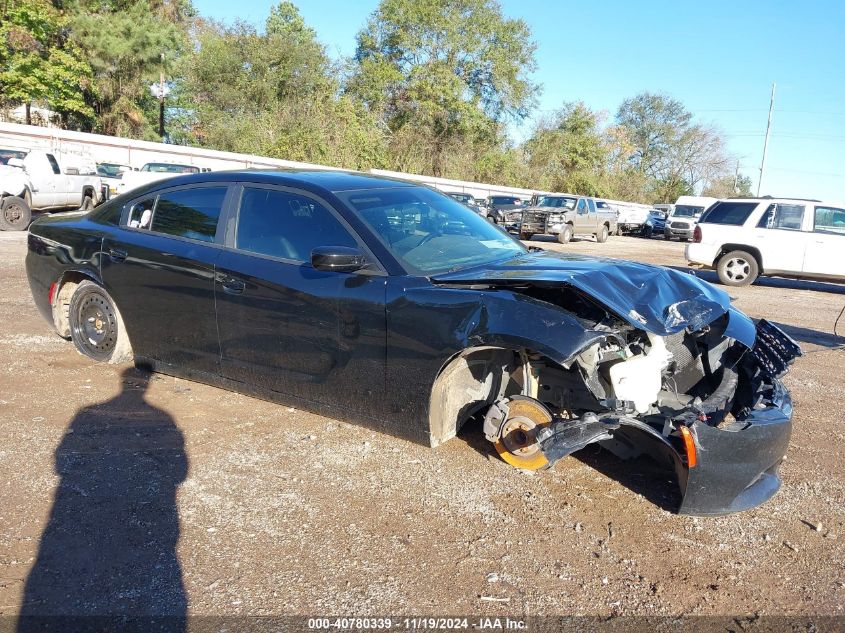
(569, 152)
(443, 75)
(728, 186)
(125, 42)
(276, 94)
(676, 155)
(38, 65)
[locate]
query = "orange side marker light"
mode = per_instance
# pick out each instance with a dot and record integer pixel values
(689, 447)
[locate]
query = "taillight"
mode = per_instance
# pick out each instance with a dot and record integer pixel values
(696, 234)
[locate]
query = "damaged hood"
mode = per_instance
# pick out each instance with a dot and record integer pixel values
(656, 299)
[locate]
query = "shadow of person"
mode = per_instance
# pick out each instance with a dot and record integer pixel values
(109, 547)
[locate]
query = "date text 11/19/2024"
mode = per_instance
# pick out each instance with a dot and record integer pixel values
(416, 624)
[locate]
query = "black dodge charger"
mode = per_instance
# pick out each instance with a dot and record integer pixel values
(389, 303)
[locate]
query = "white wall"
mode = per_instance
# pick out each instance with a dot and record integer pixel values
(78, 148)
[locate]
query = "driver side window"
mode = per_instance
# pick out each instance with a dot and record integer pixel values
(287, 225)
(582, 207)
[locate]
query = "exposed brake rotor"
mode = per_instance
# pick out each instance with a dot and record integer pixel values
(517, 443)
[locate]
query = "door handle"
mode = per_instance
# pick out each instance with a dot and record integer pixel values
(233, 286)
(117, 255)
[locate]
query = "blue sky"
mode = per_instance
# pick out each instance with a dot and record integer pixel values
(719, 58)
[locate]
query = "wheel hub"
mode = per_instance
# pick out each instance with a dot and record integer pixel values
(737, 269)
(13, 213)
(518, 445)
(98, 324)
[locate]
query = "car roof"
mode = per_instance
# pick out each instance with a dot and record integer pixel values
(314, 180)
(773, 199)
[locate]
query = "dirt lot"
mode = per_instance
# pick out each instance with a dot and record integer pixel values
(157, 495)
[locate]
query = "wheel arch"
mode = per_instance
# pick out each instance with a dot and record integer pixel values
(88, 190)
(468, 381)
(751, 250)
(65, 286)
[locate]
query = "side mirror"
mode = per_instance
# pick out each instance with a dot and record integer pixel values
(339, 259)
(72, 171)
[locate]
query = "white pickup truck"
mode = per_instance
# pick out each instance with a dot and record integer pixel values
(152, 172)
(34, 181)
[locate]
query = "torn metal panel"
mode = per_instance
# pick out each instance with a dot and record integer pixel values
(659, 300)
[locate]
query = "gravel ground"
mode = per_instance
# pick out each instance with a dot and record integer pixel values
(124, 492)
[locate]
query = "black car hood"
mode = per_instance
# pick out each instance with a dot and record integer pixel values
(656, 299)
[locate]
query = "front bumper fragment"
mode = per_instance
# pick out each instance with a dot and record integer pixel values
(737, 461)
(738, 468)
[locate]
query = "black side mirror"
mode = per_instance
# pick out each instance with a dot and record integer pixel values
(339, 259)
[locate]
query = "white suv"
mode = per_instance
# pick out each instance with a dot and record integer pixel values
(747, 237)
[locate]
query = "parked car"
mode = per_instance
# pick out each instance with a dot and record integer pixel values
(498, 206)
(631, 219)
(468, 200)
(566, 216)
(655, 224)
(745, 238)
(37, 182)
(110, 174)
(681, 222)
(390, 303)
(152, 172)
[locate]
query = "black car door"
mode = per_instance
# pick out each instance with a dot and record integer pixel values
(159, 267)
(288, 327)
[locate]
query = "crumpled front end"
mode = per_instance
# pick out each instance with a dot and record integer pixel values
(704, 402)
(663, 365)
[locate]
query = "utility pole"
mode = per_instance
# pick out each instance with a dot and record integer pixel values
(766, 142)
(161, 103)
(736, 177)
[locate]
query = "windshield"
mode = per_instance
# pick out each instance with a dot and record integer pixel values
(168, 168)
(110, 170)
(504, 200)
(6, 154)
(430, 233)
(549, 201)
(687, 211)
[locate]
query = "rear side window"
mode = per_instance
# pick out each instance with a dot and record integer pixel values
(829, 220)
(783, 216)
(141, 214)
(53, 164)
(189, 213)
(735, 213)
(287, 225)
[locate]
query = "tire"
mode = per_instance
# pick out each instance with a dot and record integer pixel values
(667, 237)
(565, 235)
(15, 214)
(525, 236)
(602, 235)
(87, 203)
(96, 327)
(737, 268)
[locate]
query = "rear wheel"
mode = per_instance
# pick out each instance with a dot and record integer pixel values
(15, 214)
(602, 235)
(565, 234)
(737, 268)
(96, 327)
